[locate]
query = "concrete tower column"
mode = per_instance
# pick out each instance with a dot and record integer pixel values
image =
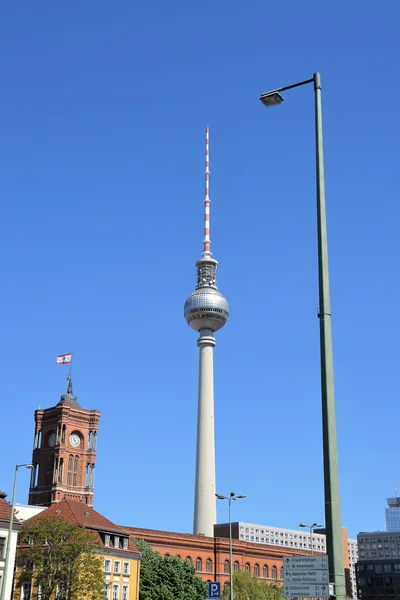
(205, 511)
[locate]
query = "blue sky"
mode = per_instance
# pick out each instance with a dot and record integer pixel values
(104, 107)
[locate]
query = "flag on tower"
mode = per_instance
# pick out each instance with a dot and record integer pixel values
(64, 359)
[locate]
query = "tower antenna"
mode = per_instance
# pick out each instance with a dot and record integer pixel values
(395, 489)
(207, 241)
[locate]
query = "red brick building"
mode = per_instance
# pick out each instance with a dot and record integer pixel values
(210, 556)
(64, 453)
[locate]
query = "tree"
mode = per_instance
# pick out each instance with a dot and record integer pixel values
(59, 557)
(248, 587)
(167, 578)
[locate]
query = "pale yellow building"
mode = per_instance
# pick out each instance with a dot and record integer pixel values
(121, 558)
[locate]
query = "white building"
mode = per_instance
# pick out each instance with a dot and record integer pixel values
(5, 514)
(353, 558)
(21, 513)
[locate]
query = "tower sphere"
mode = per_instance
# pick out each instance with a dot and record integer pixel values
(206, 307)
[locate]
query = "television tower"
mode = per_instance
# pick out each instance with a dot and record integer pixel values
(206, 310)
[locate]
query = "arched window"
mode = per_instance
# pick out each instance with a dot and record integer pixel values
(265, 571)
(69, 474)
(281, 573)
(247, 567)
(236, 566)
(273, 572)
(208, 565)
(166, 554)
(75, 471)
(226, 566)
(256, 571)
(178, 556)
(198, 564)
(188, 559)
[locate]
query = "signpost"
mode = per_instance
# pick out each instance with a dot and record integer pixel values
(214, 589)
(305, 577)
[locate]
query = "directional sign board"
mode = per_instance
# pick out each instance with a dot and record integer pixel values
(214, 589)
(305, 577)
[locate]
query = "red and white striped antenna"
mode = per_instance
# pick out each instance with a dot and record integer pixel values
(207, 241)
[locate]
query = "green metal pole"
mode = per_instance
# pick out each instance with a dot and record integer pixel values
(7, 559)
(331, 472)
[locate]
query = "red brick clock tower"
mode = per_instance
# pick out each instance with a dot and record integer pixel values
(64, 452)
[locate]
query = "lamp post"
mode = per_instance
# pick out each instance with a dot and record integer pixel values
(8, 546)
(231, 497)
(311, 528)
(331, 472)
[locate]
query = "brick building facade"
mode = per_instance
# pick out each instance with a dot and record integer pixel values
(64, 453)
(210, 556)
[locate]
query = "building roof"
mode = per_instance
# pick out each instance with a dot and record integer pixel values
(5, 509)
(79, 513)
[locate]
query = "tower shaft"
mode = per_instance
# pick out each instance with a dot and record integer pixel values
(205, 512)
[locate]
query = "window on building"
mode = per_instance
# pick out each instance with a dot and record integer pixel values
(117, 567)
(107, 591)
(273, 572)
(125, 542)
(256, 571)
(26, 591)
(107, 565)
(75, 478)
(387, 568)
(281, 573)
(126, 568)
(107, 539)
(226, 566)
(236, 566)
(69, 473)
(247, 567)
(188, 559)
(125, 593)
(265, 571)
(198, 564)
(2, 546)
(116, 541)
(208, 565)
(115, 593)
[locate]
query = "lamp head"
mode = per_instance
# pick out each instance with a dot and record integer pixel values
(271, 99)
(220, 497)
(302, 525)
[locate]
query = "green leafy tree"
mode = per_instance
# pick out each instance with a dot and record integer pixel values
(248, 587)
(60, 558)
(167, 578)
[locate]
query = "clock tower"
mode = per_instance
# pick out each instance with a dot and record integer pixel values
(64, 452)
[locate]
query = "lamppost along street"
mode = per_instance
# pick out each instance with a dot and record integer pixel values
(311, 528)
(331, 471)
(10, 526)
(230, 498)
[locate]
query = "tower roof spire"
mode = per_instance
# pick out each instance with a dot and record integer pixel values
(207, 241)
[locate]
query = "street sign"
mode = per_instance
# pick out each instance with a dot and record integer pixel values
(305, 562)
(214, 589)
(305, 591)
(305, 577)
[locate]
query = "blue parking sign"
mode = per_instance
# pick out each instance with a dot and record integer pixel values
(214, 589)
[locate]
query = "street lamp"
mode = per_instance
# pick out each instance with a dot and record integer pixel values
(331, 471)
(231, 497)
(311, 528)
(8, 546)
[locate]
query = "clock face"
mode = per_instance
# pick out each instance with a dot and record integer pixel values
(52, 440)
(74, 440)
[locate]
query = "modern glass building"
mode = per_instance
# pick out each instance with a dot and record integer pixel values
(392, 514)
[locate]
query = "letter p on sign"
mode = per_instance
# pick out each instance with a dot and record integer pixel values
(214, 589)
